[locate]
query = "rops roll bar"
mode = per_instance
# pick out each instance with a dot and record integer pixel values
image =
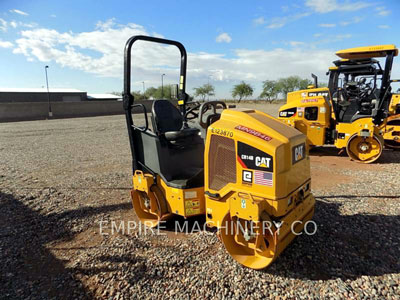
(128, 98)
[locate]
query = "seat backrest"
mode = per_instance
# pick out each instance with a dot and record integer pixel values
(166, 117)
(349, 112)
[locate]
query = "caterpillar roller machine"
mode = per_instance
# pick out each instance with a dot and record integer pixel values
(250, 176)
(357, 111)
(391, 128)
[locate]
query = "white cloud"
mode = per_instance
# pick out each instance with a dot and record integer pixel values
(327, 25)
(326, 6)
(223, 38)
(328, 39)
(259, 21)
(285, 8)
(296, 43)
(53, 16)
(100, 52)
(384, 26)
(20, 12)
(340, 37)
(317, 34)
(382, 11)
(28, 25)
(275, 25)
(282, 21)
(354, 20)
(3, 25)
(6, 44)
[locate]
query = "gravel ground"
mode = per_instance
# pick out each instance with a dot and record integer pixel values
(59, 179)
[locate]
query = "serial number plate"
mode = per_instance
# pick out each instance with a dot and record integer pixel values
(222, 132)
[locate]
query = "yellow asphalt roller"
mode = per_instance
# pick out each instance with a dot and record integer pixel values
(357, 111)
(246, 171)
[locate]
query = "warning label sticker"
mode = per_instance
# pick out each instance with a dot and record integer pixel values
(192, 211)
(192, 203)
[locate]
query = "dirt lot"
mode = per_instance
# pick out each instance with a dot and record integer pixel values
(60, 178)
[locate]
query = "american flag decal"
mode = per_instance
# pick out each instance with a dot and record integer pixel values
(263, 178)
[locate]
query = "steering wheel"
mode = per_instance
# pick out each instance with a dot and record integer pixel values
(342, 97)
(191, 114)
(206, 106)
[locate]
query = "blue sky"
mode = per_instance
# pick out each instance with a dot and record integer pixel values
(227, 41)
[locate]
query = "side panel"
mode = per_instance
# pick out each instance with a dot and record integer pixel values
(311, 116)
(394, 105)
(184, 202)
(347, 130)
(272, 172)
(168, 161)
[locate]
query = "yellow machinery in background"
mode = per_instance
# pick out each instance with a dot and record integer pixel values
(357, 111)
(250, 176)
(391, 128)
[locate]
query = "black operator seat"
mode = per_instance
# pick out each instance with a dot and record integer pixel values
(168, 121)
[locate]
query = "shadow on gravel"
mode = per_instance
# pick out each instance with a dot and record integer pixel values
(345, 246)
(28, 268)
(326, 151)
(86, 211)
(388, 156)
(360, 196)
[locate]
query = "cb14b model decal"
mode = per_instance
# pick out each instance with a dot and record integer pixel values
(252, 158)
(287, 113)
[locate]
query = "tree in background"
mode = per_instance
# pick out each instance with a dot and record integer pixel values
(159, 92)
(292, 83)
(137, 95)
(204, 91)
(270, 90)
(242, 91)
(322, 84)
(304, 83)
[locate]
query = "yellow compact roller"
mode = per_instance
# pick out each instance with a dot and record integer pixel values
(357, 111)
(246, 171)
(257, 185)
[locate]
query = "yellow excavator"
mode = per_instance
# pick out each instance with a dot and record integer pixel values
(249, 174)
(357, 111)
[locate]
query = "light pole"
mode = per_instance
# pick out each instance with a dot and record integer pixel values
(162, 85)
(48, 92)
(144, 97)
